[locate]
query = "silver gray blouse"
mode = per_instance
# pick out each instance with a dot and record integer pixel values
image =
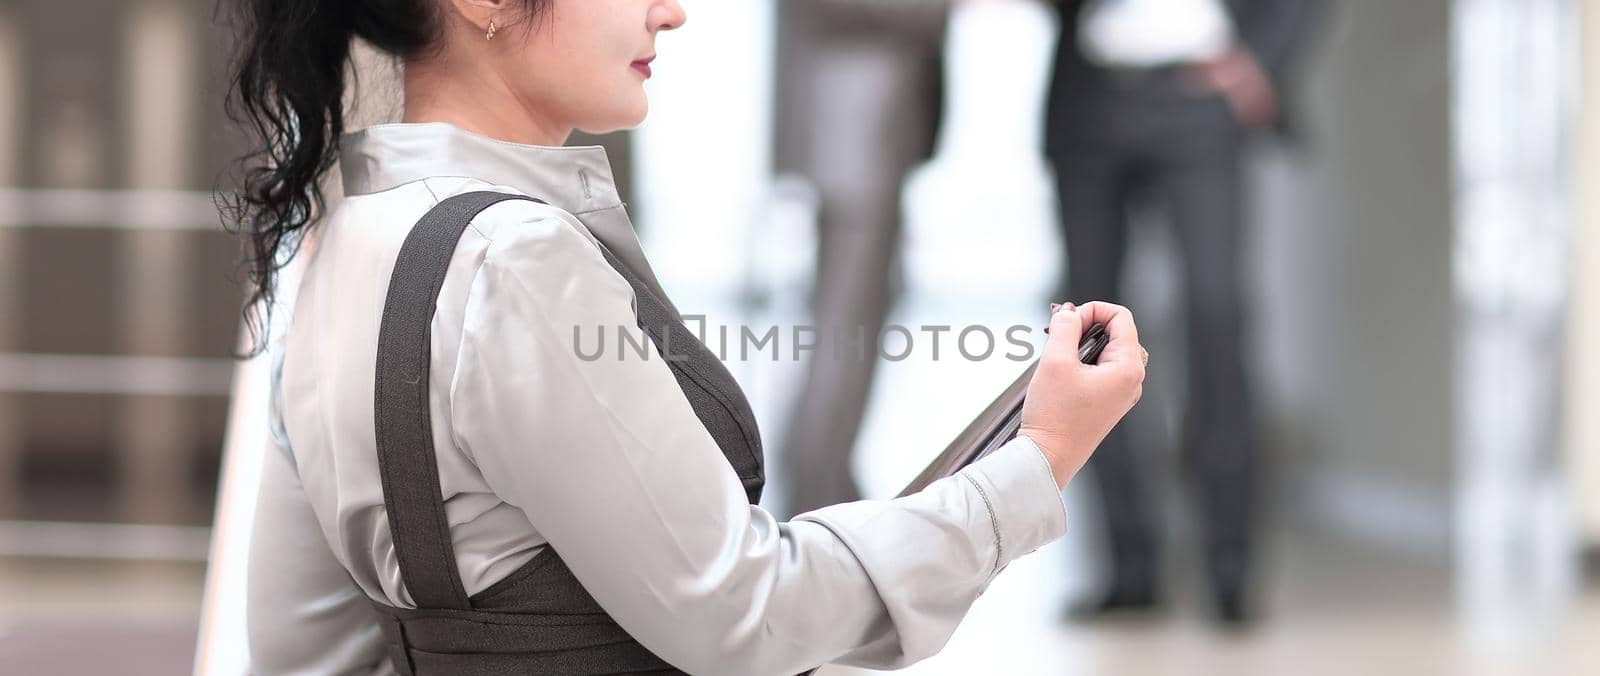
(602, 459)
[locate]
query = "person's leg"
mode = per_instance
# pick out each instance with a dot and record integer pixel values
(1093, 184)
(1205, 184)
(869, 123)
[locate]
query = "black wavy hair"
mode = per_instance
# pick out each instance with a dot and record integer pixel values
(286, 89)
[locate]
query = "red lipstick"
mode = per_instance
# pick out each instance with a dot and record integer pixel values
(643, 65)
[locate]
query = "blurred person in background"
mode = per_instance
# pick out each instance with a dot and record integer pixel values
(1155, 100)
(857, 108)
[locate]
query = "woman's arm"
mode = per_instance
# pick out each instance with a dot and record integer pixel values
(611, 465)
(304, 615)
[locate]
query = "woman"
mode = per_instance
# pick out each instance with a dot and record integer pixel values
(568, 514)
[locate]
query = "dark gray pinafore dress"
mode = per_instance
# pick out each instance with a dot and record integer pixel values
(538, 620)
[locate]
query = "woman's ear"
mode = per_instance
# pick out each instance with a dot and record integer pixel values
(478, 13)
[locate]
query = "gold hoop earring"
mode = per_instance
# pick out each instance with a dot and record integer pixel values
(490, 34)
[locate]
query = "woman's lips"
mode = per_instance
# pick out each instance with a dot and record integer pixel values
(643, 66)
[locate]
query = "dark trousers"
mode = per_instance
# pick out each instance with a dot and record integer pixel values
(1152, 142)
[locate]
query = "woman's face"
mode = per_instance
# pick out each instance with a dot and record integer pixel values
(583, 63)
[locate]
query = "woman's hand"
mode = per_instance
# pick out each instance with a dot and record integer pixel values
(1071, 406)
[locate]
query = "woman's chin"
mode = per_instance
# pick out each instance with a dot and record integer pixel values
(626, 116)
(636, 114)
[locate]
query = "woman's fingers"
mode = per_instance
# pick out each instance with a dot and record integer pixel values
(1120, 328)
(1124, 349)
(1117, 319)
(1066, 329)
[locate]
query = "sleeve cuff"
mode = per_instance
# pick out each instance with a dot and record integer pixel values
(1025, 506)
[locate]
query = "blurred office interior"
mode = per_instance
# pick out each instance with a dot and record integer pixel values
(1424, 323)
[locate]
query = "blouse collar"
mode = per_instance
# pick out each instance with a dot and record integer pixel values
(575, 178)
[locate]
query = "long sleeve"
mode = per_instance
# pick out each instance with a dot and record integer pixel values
(1273, 29)
(304, 614)
(610, 464)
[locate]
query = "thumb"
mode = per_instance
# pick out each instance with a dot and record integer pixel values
(1066, 329)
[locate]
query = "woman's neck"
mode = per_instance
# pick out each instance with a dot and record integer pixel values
(476, 102)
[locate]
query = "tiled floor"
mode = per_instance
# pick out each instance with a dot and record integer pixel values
(1329, 608)
(73, 617)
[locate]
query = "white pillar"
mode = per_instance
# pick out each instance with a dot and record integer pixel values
(1583, 312)
(11, 430)
(153, 432)
(1514, 66)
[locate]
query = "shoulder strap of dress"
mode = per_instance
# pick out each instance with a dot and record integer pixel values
(411, 491)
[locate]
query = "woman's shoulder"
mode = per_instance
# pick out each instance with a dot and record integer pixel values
(515, 219)
(536, 246)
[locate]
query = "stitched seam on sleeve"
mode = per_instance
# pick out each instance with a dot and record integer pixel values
(994, 522)
(1044, 459)
(461, 346)
(1049, 473)
(431, 193)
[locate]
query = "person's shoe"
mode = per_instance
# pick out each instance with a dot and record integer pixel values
(1233, 612)
(1118, 602)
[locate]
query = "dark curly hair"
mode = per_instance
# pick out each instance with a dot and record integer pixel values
(286, 88)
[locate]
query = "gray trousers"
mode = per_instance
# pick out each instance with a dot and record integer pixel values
(857, 108)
